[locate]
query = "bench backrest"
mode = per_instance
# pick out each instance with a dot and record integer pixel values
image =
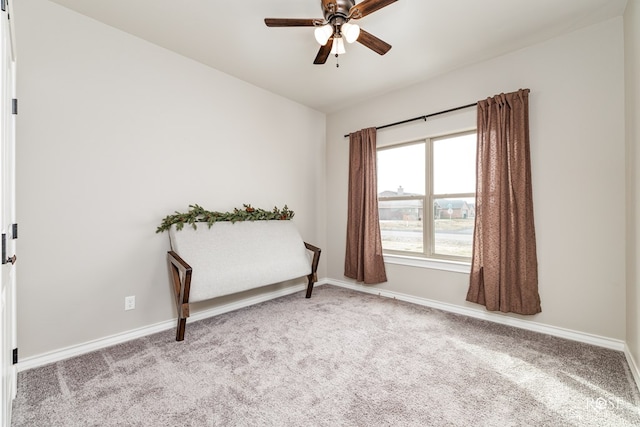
(234, 257)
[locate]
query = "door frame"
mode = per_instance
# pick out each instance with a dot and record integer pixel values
(8, 111)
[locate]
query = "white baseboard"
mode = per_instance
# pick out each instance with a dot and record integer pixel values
(87, 347)
(76, 350)
(490, 316)
(633, 366)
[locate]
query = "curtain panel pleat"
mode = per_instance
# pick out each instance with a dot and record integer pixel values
(504, 268)
(363, 258)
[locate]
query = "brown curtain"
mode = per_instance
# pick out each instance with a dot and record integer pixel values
(363, 258)
(504, 268)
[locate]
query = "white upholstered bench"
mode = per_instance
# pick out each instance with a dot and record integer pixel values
(228, 257)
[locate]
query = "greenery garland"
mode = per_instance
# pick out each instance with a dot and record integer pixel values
(198, 214)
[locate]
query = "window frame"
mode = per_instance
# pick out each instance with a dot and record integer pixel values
(428, 257)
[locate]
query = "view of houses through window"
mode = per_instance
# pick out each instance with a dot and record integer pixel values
(426, 196)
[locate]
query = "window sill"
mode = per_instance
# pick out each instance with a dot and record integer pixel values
(434, 264)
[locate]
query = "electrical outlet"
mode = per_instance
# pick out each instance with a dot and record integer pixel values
(129, 303)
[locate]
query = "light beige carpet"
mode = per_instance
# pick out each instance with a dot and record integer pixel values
(341, 358)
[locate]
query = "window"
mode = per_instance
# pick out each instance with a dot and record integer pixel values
(426, 197)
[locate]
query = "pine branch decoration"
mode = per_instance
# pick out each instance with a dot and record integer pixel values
(198, 214)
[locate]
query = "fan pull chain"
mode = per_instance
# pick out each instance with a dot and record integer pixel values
(337, 63)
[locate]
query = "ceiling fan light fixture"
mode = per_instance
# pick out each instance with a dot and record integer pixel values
(338, 46)
(323, 34)
(335, 27)
(351, 32)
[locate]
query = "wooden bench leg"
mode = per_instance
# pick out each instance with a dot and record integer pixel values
(180, 330)
(181, 279)
(313, 277)
(309, 286)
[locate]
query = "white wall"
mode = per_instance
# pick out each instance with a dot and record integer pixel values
(577, 152)
(632, 93)
(115, 133)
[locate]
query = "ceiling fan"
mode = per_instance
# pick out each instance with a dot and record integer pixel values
(335, 28)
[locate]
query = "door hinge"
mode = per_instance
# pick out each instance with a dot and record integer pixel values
(6, 260)
(14, 106)
(14, 231)
(15, 356)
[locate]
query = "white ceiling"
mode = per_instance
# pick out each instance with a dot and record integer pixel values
(429, 37)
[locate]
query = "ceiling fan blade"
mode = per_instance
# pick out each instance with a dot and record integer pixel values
(367, 7)
(324, 52)
(372, 42)
(291, 22)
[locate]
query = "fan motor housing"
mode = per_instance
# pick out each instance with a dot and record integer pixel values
(333, 9)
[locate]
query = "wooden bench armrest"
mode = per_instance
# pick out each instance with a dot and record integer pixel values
(181, 279)
(181, 264)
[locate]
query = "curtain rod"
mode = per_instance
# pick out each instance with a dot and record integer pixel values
(424, 117)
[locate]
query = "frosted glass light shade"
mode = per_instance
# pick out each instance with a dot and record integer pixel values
(323, 34)
(351, 32)
(338, 46)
